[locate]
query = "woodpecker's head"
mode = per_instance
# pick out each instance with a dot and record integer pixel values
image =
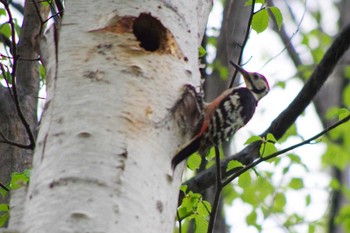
(255, 82)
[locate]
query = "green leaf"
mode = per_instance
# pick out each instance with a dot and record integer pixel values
(183, 212)
(305, 71)
(211, 40)
(277, 160)
(292, 131)
(279, 202)
(296, 183)
(230, 194)
(308, 200)
(267, 149)
(312, 228)
(47, 3)
(183, 188)
(343, 113)
(336, 112)
(17, 27)
(346, 95)
(194, 198)
(211, 156)
(2, 12)
(260, 20)
(222, 70)
(3, 218)
(201, 52)
(4, 207)
(204, 208)
(244, 179)
(317, 54)
(194, 161)
(278, 16)
(285, 170)
(271, 138)
(42, 72)
(27, 173)
(4, 214)
(344, 214)
(294, 158)
(5, 29)
(252, 139)
(336, 155)
(343, 218)
(233, 164)
(281, 84)
(201, 224)
(264, 188)
(250, 2)
(18, 180)
(347, 71)
(251, 218)
(335, 184)
(188, 202)
(3, 193)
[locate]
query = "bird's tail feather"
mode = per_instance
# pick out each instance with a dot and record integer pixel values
(186, 151)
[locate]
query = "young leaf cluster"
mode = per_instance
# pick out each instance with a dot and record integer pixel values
(18, 180)
(193, 208)
(262, 17)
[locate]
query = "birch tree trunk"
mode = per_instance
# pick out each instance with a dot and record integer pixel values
(102, 161)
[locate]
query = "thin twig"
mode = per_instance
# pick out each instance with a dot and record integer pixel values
(12, 143)
(4, 187)
(219, 186)
(28, 59)
(60, 7)
(51, 17)
(180, 220)
(6, 79)
(265, 158)
(288, 41)
(244, 43)
(39, 15)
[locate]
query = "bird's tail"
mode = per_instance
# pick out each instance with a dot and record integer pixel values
(186, 151)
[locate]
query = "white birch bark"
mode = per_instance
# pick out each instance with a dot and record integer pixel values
(102, 162)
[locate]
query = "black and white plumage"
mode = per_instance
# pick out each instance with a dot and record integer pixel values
(225, 115)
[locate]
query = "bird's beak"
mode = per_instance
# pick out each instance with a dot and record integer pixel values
(244, 73)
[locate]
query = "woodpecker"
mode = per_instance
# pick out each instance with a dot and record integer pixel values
(225, 115)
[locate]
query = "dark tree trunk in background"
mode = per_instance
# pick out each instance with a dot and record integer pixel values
(15, 159)
(229, 46)
(331, 96)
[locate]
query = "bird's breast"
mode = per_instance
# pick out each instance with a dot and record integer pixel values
(233, 112)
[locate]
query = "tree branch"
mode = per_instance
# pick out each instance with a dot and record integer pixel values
(286, 118)
(219, 187)
(274, 155)
(323, 70)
